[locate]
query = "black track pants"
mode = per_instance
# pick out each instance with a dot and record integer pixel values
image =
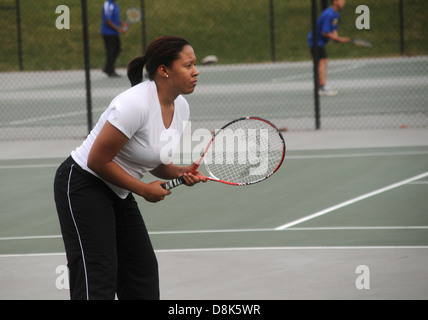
(106, 241)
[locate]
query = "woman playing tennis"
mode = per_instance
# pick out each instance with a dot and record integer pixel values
(106, 242)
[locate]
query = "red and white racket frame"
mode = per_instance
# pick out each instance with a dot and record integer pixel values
(180, 180)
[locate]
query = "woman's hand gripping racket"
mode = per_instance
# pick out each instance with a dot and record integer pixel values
(244, 151)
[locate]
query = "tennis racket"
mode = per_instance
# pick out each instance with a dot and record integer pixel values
(361, 43)
(133, 15)
(243, 152)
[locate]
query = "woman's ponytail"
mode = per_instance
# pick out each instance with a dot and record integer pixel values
(135, 70)
(163, 50)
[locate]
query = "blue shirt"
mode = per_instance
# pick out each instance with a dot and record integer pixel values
(110, 12)
(327, 23)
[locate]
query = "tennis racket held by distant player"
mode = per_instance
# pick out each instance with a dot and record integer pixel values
(360, 43)
(133, 16)
(243, 152)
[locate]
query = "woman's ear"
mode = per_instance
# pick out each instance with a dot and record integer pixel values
(163, 71)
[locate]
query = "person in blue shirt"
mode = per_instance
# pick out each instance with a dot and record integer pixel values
(111, 28)
(327, 25)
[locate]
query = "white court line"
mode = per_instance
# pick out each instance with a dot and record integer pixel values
(178, 232)
(351, 201)
(50, 117)
(356, 228)
(31, 237)
(290, 229)
(290, 248)
(29, 166)
(18, 255)
(309, 75)
(420, 182)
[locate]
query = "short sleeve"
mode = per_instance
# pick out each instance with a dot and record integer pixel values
(330, 21)
(127, 117)
(326, 26)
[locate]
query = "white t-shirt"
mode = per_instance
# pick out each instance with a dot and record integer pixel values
(136, 112)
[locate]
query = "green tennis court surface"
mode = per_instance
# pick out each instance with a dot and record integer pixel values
(341, 200)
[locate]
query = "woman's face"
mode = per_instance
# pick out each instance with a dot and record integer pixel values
(183, 73)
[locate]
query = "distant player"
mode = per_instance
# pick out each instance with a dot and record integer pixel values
(327, 25)
(111, 28)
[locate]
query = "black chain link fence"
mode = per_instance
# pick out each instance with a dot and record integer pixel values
(264, 65)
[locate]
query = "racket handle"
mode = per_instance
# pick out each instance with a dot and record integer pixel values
(173, 183)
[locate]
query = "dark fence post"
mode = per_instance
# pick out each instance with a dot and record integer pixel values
(324, 4)
(87, 63)
(18, 27)
(315, 62)
(272, 31)
(401, 18)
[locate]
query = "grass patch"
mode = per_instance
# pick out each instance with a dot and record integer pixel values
(237, 31)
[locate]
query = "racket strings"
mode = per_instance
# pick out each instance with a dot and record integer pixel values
(133, 15)
(245, 151)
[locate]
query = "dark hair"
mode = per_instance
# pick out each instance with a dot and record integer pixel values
(161, 51)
